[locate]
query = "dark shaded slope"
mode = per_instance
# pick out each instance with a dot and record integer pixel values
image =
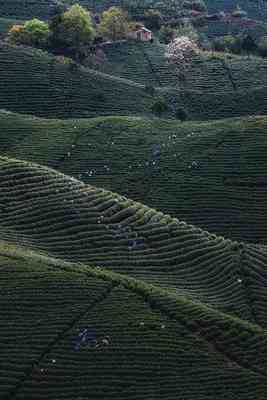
(40, 8)
(216, 85)
(209, 174)
(37, 83)
(256, 9)
(50, 212)
(147, 343)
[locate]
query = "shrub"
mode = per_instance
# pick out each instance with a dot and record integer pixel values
(225, 43)
(236, 47)
(262, 46)
(159, 107)
(153, 19)
(181, 114)
(248, 44)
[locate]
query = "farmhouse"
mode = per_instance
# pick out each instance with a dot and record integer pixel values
(143, 34)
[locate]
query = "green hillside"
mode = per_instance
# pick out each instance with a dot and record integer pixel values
(33, 8)
(34, 82)
(142, 340)
(133, 230)
(255, 8)
(209, 73)
(53, 214)
(116, 338)
(216, 86)
(209, 174)
(37, 83)
(146, 63)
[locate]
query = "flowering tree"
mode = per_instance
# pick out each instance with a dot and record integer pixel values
(33, 33)
(181, 52)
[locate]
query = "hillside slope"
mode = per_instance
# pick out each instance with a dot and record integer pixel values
(52, 213)
(216, 86)
(33, 8)
(34, 82)
(256, 9)
(209, 174)
(88, 334)
(37, 83)
(72, 331)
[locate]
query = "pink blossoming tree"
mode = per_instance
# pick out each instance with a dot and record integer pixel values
(181, 52)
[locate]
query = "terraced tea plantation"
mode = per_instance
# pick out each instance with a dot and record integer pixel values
(255, 8)
(133, 230)
(209, 174)
(74, 322)
(40, 8)
(45, 87)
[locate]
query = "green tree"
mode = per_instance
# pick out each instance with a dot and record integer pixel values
(181, 114)
(153, 19)
(33, 33)
(73, 30)
(249, 45)
(159, 107)
(225, 43)
(114, 24)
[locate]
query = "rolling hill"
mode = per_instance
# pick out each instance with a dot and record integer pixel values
(210, 73)
(86, 333)
(133, 247)
(77, 324)
(211, 174)
(46, 87)
(256, 9)
(48, 212)
(33, 8)
(34, 82)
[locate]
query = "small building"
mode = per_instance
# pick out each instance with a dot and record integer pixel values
(142, 34)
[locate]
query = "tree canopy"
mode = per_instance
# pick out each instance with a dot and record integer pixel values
(33, 33)
(74, 27)
(114, 24)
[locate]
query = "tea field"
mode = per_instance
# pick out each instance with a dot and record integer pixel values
(141, 347)
(133, 232)
(211, 174)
